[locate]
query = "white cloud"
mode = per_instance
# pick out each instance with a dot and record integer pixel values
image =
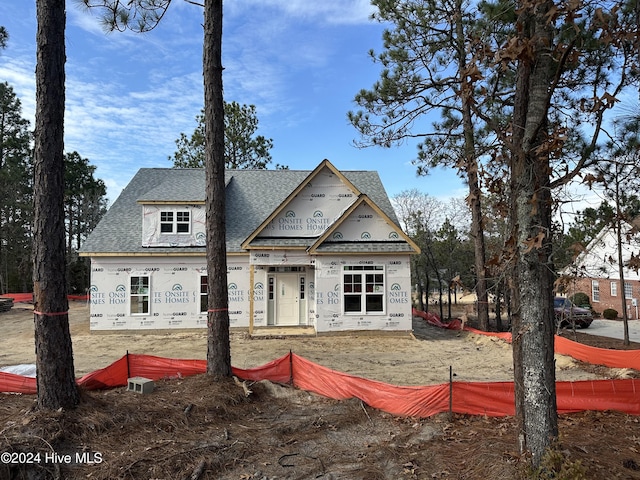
(128, 96)
(123, 128)
(334, 12)
(86, 19)
(20, 74)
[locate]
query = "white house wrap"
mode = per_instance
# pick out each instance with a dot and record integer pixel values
(318, 249)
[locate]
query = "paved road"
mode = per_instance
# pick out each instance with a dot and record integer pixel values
(614, 329)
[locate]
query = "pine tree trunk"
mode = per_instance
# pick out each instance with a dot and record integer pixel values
(218, 344)
(54, 356)
(474, 198)
(533, 329)
(477, 233)
(618, 229)
(499, 307)
(533, 326)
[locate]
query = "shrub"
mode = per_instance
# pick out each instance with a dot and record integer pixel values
(610, 314)
(581, 299)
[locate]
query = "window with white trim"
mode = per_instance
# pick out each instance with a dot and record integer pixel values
(595, 290)
(363, 289)
(628, 290)
(204, 298)
(614, 289)
(178, 221)
(139, 295)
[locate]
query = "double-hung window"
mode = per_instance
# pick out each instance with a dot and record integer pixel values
(139, 295)
(595, 290)
(363, 289)
(175, 221)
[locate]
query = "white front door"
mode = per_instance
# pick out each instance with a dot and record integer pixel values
(287, 299)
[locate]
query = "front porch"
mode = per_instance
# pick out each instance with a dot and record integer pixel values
(282, 331)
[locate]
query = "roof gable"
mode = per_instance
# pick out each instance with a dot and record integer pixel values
(363, 223)
(600, 258)
(311, 207)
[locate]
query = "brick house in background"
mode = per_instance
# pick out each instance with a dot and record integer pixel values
(595, 271)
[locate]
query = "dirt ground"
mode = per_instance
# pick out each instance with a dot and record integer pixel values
(194, 429)
(422, 358)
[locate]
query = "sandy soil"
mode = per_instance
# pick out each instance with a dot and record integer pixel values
(422, 358)
(196, 429)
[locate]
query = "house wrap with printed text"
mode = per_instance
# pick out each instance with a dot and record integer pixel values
(313, 251)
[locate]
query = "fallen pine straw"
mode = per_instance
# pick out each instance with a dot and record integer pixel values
(281, 432)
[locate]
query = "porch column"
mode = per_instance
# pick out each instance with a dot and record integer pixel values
(251, 284)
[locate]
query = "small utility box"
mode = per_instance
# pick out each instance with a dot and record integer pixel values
(140, 385)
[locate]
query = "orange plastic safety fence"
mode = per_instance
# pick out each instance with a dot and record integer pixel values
(477, 398)
(28, 297)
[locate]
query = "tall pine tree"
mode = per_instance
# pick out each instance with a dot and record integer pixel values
(55, 379)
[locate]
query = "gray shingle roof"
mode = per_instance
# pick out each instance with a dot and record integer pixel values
(252, 195)
(183, 185)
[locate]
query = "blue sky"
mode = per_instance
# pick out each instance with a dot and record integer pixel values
(129, 96)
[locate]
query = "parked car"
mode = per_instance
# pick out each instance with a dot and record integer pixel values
(569, 315)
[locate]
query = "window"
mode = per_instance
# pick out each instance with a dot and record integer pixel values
(166, 222)
(628, 290)
(182, 222)
(287, 269)
(204, 299)
(175, 222)
(363, 289)
(614, 289)
(139, 295)
(595, 290)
